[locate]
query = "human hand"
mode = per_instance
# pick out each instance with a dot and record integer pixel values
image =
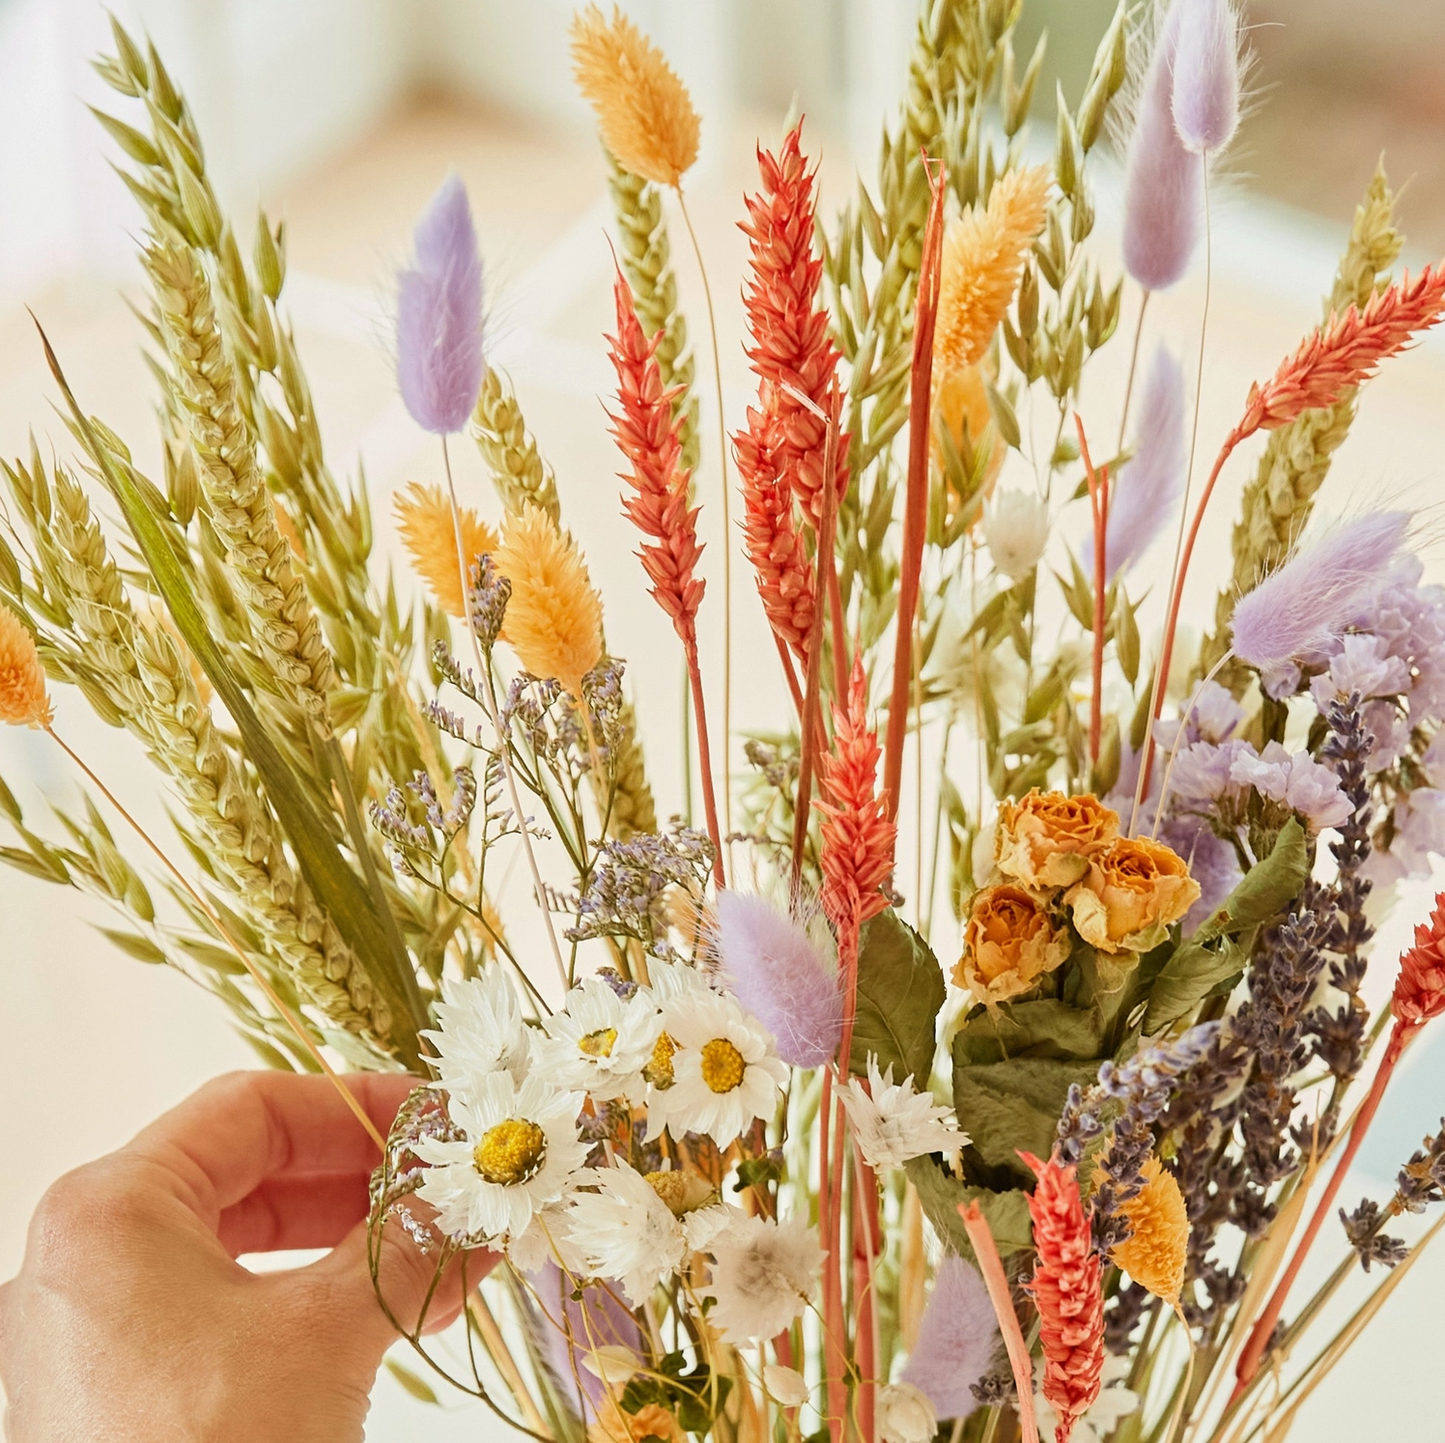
(130, 1319)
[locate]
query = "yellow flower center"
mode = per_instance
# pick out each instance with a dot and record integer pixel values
(680, 1192)
(659, 1066)
(599, 1043)
(511, 1152)
(722, 1065)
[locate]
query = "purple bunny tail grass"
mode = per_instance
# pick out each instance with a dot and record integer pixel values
(1151, 485)
(439, 362)
(1310, 600)
(958, 1339)
(1206, 75)
(1164, 183)
(775, 970)
(606, 1324)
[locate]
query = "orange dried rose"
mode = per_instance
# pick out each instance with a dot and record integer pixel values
(1046, 839)
(1009, 942)
(1130, 894)
(614, 1425)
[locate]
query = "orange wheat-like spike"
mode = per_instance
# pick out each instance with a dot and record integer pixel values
(1066, 1291)
(771, 538)
(790, 342)
(857, 835)
(646, 433)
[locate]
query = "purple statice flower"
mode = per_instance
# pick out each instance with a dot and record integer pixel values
(777, 972)
(1310, 601)
(1419, 832)
(439, 362)
(957, 1340)
(1214, 713)
(1212, 863)
(1149, 487)
(1294, 779)
(1203, 773)
(1363, 666)
(1206, 75)
(1164, 182)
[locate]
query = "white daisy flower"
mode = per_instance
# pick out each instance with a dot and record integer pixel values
(905, 1415)
(637, 1230)
(599, 1043)
(667, 980)
(764, 1274)
(521, 1155)
(481, 1030)
(897, 1122)
(724, 1071)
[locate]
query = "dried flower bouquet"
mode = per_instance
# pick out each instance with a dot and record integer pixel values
(737, 1157)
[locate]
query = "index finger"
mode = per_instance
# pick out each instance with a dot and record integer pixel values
(232, 1135)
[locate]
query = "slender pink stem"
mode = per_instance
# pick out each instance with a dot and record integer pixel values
(704, 756)
(1099, 505)
(915, 503)
(1171, 625)
(812, 720)
(991, 1266)
(1263, 1330)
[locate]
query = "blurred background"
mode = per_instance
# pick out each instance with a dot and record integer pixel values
(341, 117)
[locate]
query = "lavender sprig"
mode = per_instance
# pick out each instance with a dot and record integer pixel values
(1141, 1087)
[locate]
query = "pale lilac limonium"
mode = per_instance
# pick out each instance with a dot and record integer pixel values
(1206, 75)
(1148, 489)
(1308, 602)
(1164, 182)
(1294, 779)
(958, 1339)
(777, 972)
(439, 363)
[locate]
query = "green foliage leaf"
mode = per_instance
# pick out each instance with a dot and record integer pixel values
(1045, 1027)
(900, 992)
(1005, 1106)
(1213, 955)
(941, 1194)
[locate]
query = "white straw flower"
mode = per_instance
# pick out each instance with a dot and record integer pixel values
(600, 1043)
(905, 1415)
(723, 1066)
(625, 1231)
(481, 1031)
(521, 1153)
(897, 1123)
(764, 1274)
(1016, 530)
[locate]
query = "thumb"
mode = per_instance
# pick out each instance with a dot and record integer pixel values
(404, 1295)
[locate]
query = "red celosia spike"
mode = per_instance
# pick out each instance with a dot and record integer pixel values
(1066, 1291)
(790, 342)
(858, 839)
(646, 431)
(1346, 350)
(774, 546)
(1420, 987)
